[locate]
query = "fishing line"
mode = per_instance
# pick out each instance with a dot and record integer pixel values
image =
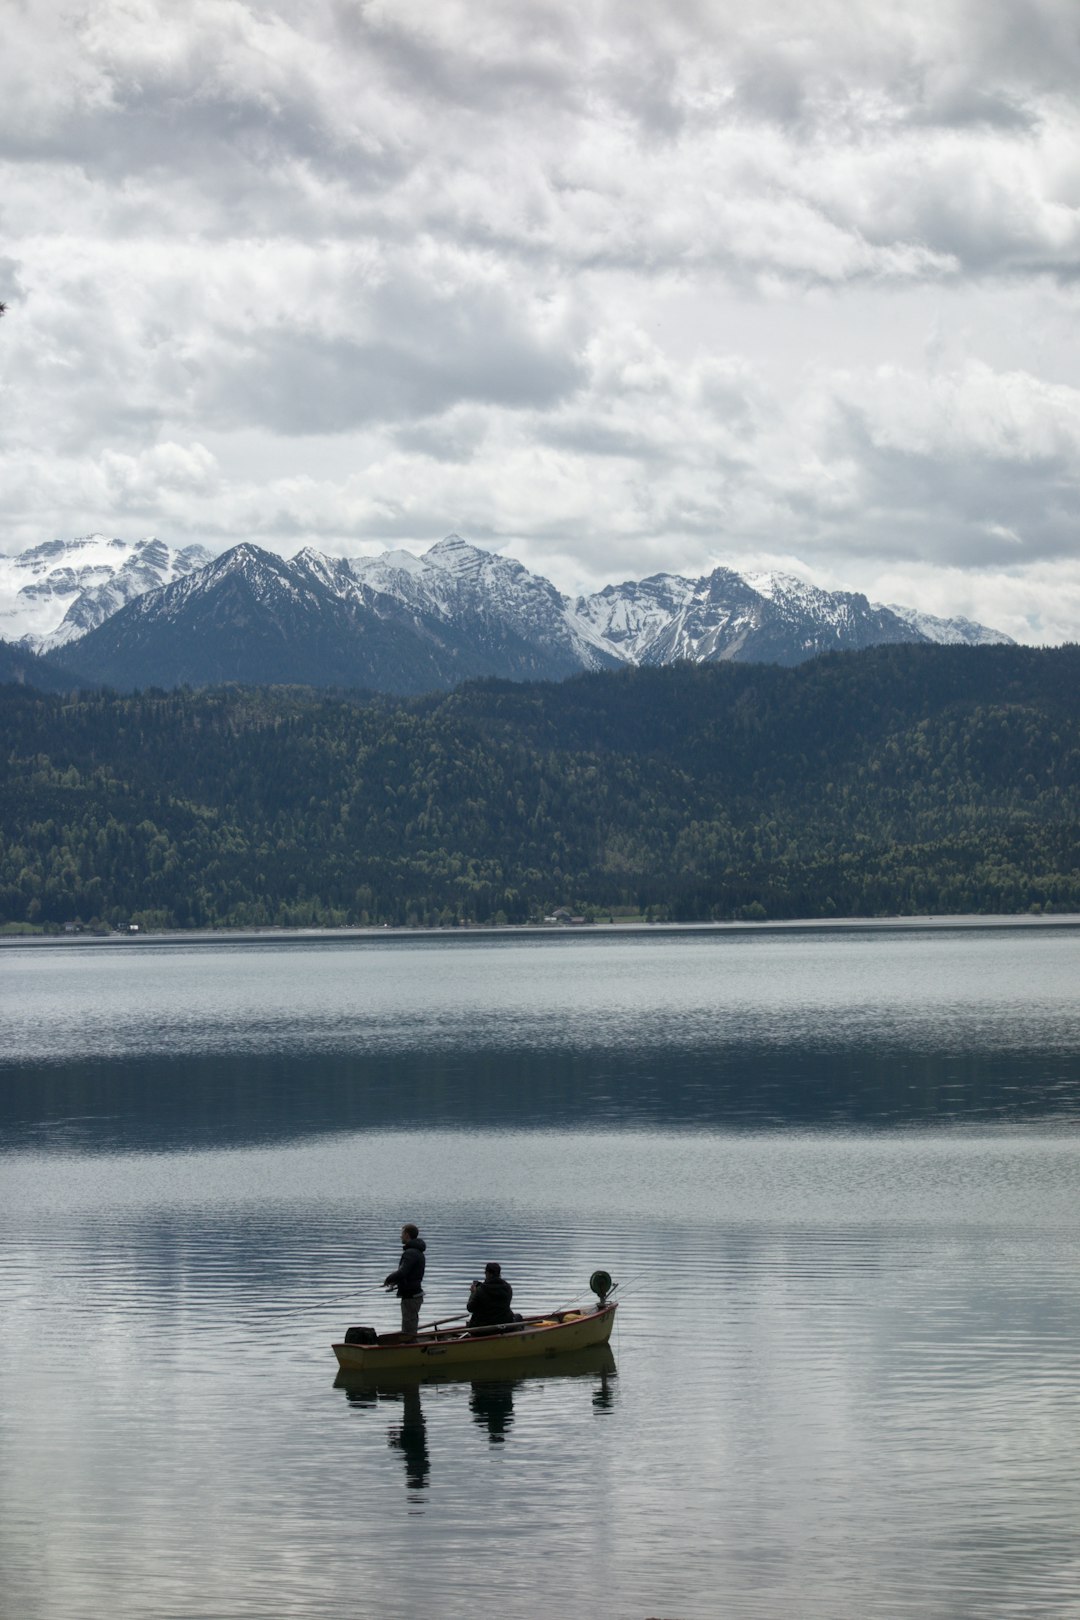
(630, 1285)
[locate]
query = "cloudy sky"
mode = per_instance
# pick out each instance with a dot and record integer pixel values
(614, 288)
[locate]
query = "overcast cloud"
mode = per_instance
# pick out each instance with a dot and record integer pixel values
(613, 288)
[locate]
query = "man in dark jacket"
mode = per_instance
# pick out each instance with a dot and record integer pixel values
(408, 1279)
(489, 1301)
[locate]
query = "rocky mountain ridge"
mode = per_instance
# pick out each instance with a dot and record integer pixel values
(56, 592)
(402, 623)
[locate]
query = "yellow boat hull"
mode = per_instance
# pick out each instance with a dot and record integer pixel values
(540, 1339)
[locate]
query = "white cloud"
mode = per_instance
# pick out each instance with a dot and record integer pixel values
(619, 290)
(970, 412)
(163, 471)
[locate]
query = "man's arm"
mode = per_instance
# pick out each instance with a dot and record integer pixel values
(405, 1275)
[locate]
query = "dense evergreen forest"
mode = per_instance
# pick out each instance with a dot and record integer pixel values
(896, 780)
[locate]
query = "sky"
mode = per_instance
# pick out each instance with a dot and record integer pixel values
(613, 288)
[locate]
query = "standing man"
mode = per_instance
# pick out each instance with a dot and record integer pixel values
(408, 1279)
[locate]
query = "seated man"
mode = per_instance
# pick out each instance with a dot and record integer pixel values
(489, 1301)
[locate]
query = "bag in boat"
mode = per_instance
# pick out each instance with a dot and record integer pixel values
(361, 1335)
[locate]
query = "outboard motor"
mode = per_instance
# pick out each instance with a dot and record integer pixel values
(601, 1284)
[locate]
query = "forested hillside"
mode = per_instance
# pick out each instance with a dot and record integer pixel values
(901, 779)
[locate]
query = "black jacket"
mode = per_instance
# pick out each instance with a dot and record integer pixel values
(489, 1303)
(409, 1276)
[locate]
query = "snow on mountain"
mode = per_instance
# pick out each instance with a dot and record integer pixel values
(57, 591)
(251, 616)
(263, 575)
(815, 620)
(796, 598)
(139, 612)
(629, 619)
(716, 622)
(951, 632)
(724, 615)
(460, 583)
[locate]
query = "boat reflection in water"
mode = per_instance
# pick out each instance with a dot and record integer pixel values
(492, 1405)
(491, 1400)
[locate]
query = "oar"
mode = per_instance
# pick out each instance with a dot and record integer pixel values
(430, 1327)
(427, 1326)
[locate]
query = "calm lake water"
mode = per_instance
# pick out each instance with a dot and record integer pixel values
(837, 1172)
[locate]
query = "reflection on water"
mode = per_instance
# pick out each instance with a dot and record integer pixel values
(835, 1177)
(410, 1438)
(490, 1400)
(408, 1434)
(492, 1405)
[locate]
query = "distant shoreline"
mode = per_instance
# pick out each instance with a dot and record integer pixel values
(218, 936)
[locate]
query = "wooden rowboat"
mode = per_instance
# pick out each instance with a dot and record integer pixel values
(537, 1337)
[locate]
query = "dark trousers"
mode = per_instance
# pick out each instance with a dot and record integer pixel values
(410, 1316)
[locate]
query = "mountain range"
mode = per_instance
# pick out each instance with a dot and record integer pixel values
(133, 615)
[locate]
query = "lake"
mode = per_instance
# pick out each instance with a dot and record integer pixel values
(835, 1172)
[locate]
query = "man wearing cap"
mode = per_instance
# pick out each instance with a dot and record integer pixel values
(489, 1301)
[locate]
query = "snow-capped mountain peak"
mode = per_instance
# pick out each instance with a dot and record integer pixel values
(401, 622)
(458, 583)
(55, 592)
(950, 632)
(471, 566)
